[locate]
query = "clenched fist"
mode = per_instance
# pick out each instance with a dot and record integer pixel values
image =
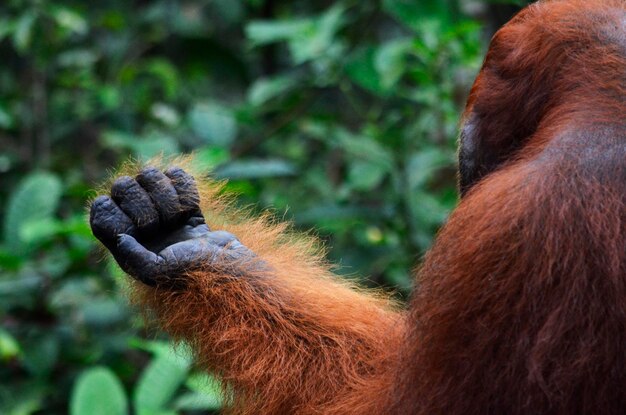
(153, 226)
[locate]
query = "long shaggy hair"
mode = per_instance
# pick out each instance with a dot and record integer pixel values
(520, 306)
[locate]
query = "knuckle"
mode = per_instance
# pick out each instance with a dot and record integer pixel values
(122, 184)
(150, 175)
(102, 207)
(100, 200)
(175, 171)
(101, 203)
(148, 170)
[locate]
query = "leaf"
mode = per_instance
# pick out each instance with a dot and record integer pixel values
(332, 212)
(363, 147)
(166, 74)
(208, 158)
(159, 382)
(197, 402)
(361, 69)
(155, 143)
(152, 144)
(256, 169)
(104, 312)
(165, 113)
(70, 20)
(308, 38)
(206, 395)
(23, 398)
(98, 392)
(9, 347)
(424, 164)
(109, 97)
(36, 198)
(204, 383)
(265, 89)
(321, 40)
(36, 230)
(23, 32)
(364, 175)
(155, 347)
(78, 58)
(263, 32)
(427, 210)
(414, 13)
(390, 61)
(213, 123)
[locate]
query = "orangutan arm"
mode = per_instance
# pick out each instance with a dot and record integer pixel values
(261, 309)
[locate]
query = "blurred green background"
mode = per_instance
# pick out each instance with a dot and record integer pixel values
(339, 115)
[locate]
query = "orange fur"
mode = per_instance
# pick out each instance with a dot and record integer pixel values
(293, 340)
(521, 304)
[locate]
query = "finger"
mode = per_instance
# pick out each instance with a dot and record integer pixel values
(187, 190)
(136, 203)
(107, 221)
(163, 195)
(140, 263)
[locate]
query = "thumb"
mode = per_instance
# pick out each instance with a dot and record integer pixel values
(136, 260)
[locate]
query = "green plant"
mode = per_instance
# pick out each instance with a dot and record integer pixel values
(99, 391)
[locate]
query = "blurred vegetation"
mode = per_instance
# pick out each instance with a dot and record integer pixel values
(342, 114)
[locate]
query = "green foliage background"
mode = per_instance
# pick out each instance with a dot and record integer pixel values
(339, 115)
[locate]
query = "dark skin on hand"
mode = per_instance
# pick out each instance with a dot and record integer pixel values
(153, 226)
